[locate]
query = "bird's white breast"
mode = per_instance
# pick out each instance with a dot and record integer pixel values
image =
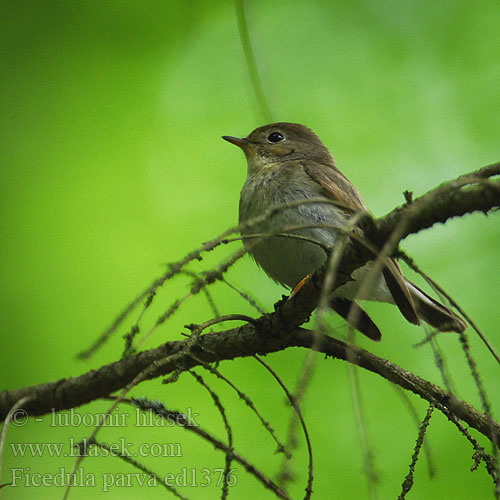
(285, 258)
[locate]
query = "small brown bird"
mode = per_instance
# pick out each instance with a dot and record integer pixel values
(287, 162)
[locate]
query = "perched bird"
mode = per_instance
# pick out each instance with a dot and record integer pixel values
(287, 163)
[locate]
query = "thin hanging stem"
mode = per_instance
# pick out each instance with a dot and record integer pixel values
(253, 71)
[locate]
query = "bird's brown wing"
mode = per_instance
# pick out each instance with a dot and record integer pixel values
(358, 318)
(335, 186)
(399, 290)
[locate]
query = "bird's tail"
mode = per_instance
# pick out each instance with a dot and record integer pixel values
(434, 313)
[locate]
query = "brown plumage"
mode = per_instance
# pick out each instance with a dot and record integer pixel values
(287, 162)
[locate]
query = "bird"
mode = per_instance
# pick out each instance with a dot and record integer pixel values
(288, 164)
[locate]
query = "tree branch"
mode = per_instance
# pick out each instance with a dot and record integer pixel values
(469, 193)
(281, 329)
(244, 341)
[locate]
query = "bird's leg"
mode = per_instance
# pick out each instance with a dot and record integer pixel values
(299, 285)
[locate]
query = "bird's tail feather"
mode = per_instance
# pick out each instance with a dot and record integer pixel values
(431, 311)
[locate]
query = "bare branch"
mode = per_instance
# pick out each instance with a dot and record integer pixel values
(281, 329)
(244, 341)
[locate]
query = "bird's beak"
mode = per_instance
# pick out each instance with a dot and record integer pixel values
(237, 141)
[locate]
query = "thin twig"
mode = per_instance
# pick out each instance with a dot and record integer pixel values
(230, 451)
(244, 295)
(180, 419)
(143, 468)
(253, 71)
(369, 468)
(439, 289)
(408, 481)
(3, 435)
(413, 413)
(296, 407)
(490, 462)
(281, 448)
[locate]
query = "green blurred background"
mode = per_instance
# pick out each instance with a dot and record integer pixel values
(112, 166)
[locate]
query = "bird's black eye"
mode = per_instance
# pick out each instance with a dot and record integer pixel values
(275, 137)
